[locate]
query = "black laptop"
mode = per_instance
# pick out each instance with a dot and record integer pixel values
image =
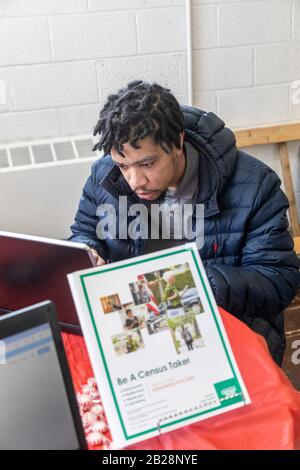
(38, 409)
(35, 268)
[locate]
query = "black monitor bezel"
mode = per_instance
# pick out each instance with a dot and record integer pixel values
(36, 315)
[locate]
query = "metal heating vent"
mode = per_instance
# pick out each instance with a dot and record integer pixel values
(46, 152)
(41, 184)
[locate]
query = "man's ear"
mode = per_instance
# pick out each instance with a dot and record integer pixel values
(181, 140)
(182, 134)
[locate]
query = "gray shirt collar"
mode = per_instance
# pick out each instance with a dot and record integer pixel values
(189, 183)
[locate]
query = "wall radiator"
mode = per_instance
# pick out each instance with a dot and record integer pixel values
(41, 184)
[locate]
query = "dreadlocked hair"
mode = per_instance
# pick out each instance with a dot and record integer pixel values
(137, 111)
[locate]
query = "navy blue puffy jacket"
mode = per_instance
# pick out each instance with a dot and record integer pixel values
(254, 273)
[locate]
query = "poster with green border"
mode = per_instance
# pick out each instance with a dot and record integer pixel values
(157, 344)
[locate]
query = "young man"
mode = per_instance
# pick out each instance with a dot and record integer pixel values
(131, 321)
(187, 337)
(143, 296)
(158, 152)
(131, 344)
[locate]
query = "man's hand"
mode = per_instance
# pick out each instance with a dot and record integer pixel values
(99, 261)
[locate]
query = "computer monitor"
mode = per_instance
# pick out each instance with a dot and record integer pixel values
(35, 268)
(38, 409)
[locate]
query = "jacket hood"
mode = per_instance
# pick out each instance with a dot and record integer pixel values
(217, 148)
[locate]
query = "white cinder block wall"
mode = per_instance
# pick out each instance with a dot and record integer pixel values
(60, 58)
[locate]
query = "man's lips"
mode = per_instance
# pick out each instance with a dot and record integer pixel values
(146, 195)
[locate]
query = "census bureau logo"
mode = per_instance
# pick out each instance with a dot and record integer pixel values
(2, 353)
(228, 392)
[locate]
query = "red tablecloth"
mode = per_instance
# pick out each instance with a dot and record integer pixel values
(272, 421)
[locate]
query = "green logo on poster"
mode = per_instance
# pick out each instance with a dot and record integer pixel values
(229, 392)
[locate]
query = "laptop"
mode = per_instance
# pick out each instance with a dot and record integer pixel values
(35, 268)
(38, 408)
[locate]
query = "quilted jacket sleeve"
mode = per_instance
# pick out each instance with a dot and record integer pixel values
(84, 227)
(268, 277)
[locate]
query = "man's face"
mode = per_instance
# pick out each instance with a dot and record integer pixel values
(149, 170)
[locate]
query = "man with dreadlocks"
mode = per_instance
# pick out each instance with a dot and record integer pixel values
(156, 151)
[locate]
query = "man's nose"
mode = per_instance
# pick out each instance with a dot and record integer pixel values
(137, 179)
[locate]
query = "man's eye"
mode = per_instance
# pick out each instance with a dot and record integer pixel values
(147, 165)
(122, 167)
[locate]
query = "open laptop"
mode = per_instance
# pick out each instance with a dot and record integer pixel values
(35, 268)
(38, 408)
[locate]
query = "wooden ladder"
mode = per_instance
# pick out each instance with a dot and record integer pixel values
(279, 134)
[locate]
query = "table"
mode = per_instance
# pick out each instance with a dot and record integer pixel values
(272, 421)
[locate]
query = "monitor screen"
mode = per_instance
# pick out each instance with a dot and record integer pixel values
(33, 269)
(34, 407)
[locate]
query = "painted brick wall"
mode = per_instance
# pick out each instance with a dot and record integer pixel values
(59, 59)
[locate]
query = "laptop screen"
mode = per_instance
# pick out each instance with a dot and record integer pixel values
(33, 269)
(34, 407)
